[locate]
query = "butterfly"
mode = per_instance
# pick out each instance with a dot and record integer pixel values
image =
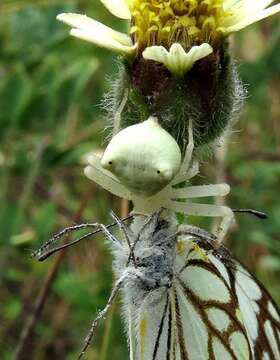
(184, 299)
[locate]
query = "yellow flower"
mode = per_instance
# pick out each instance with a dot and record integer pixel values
(201, 24)
(189, 22)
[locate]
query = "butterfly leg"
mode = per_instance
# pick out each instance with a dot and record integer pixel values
(197, 232)
(104, 178)
(224, 212)
(102, 313)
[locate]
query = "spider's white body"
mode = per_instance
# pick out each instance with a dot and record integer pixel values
(146, 200)
(144, 157)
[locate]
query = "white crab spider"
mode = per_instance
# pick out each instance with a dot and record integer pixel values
(144, 157)
(131, 156)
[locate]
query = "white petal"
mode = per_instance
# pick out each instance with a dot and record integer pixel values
(252, 18)
(242, 10)
(95, 32)
(177, 60)
(86, 24)
(199, 52)
(229, 4)
(246, 4)
(156, 53)
(118, 8)
(103, 40)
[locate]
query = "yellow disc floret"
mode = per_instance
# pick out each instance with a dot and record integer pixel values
(188, 22)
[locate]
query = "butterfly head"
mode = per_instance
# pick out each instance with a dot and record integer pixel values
(144, 157)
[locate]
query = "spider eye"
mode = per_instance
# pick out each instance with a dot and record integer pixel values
(110, 162)
(158, 171)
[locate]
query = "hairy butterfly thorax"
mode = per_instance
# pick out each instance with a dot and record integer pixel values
(151, 252)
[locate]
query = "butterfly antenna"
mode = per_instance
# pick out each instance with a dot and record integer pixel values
(43, 253)
(108, 234)
(41, 256)
(124, 229)
(153, 217)
(258, 214)
(102, 314)
(56, 237)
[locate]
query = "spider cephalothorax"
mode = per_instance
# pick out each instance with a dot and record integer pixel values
(143, 171)
(151, 194)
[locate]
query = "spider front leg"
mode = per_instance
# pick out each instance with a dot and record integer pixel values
(105, 178)
(224, 212)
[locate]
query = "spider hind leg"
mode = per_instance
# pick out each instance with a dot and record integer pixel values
(224, 212)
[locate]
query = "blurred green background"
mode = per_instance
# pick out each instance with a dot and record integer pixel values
(51, 89)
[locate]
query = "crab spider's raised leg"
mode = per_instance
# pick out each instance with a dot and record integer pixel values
(190, 146)
(183, 173)
(200, 191)
(186, 175)
(105, 178)
(207, 210)
(117, 117)
(193, 171)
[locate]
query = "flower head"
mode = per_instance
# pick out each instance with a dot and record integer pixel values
(176, 65)
(162, 23)
(191, 22)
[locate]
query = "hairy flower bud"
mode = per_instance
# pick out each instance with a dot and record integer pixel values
(210, 95)
(176, 64)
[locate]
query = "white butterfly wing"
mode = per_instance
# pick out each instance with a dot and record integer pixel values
(260, 315)
(151, 329)
(212, 325)
(213, 310)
